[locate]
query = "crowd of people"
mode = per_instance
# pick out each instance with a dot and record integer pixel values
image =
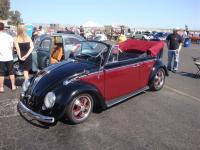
(37, 32)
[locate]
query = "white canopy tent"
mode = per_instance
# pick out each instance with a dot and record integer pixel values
(91, 24)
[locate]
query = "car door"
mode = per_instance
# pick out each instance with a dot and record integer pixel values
(121, 78)
(43, 53)
(145, 70)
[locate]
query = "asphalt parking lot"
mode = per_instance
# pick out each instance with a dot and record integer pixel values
(164, 120)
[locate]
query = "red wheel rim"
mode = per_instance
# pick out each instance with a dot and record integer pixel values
(159, 79)
(81, 107)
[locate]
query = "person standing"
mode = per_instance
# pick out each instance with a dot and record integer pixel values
(6, 58)
(174, 44)
(40, 31)
(34, 34)
(82, 33)
(121, 37)
(184, 35)
(24, 47)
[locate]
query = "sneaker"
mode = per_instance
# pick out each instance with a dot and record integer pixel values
(174, 71)
(169, 69)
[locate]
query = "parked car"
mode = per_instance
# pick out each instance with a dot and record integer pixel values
(100, 37)
(100, 75)
(142, 35)
(160, 36)
(88, 35)
(49, 49)
(195, 38)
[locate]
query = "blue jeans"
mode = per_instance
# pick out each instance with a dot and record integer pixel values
(173, 59)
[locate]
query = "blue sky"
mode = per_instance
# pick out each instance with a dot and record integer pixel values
(134, 13)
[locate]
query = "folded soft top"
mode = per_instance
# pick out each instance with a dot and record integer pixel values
(153, 47)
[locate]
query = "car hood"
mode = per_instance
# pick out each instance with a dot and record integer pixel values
(46, 79)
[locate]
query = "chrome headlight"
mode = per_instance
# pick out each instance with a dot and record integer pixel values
(49, 100)
(25, 85)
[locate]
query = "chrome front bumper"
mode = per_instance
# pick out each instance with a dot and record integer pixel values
(24, 110)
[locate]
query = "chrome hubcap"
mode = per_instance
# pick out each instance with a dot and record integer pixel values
(159, 80)
(81, 107)
(16, 66)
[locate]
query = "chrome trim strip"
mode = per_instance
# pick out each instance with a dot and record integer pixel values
(23, 109)
(123, 98)
(96, 72)
(76, 76)
(133, 64)
(125, 66)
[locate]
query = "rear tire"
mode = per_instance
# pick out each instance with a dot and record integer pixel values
(158, 80)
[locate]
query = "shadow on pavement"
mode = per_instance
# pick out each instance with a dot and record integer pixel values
(188, 74)
(19, 81)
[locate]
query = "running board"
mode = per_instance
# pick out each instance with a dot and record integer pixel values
(123, 98)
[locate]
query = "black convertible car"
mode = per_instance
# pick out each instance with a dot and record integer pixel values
(100, 75)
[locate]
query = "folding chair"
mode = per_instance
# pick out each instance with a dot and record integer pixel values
(197, 63)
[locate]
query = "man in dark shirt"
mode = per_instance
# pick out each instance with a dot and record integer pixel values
(82, 32)
(174, 44)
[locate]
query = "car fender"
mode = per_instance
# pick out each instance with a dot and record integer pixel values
(69, 91)
(157, 65)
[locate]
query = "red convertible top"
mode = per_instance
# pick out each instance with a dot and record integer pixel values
(153, 46)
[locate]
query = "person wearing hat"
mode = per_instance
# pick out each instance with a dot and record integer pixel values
(174, 44)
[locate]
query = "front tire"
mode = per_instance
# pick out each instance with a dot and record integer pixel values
(80, 108)
(158, 80)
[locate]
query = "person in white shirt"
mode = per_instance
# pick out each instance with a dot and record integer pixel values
(6, 58)
(40, 31)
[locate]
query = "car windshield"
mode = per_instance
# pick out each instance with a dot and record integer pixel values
(91, 50)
